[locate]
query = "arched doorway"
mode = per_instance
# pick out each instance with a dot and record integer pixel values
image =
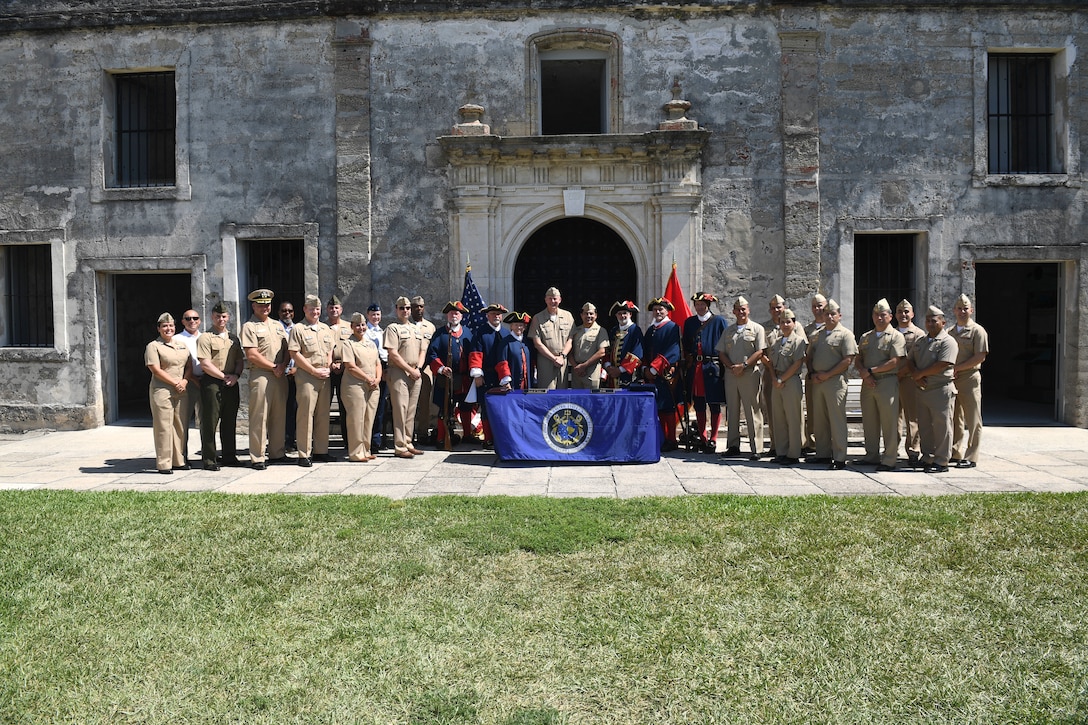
(585, 259)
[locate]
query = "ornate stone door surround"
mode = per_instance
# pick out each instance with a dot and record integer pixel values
(645, 186)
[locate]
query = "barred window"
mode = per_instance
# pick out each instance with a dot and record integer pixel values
(145, 125)
(1020, 114)
(27, 295)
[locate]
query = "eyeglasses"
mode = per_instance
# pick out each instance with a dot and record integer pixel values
(191, 319)
(287, 312)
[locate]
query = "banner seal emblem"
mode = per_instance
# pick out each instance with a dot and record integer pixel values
(567, 428)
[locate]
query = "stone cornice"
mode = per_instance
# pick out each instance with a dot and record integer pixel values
(51, 15)
(621, 147)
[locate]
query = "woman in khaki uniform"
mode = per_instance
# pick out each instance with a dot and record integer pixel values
(362, 377)
(170, 366)
(784, 359)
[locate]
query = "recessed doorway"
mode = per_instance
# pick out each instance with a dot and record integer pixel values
(585, 259)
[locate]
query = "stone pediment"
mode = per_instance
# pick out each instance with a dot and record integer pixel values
(669, 159)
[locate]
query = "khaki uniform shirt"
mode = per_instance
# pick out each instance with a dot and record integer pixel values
(268, 338)
(314, 342)
(928, 350)
(225, 351)
(877, 349)
(829, 348)
(169, 356)
(972, 339)
(787, 350)
(587, 341)
(738, 345)
(555, 334)
(406, 339)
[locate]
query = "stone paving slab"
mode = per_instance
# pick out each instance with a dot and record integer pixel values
(120, 458)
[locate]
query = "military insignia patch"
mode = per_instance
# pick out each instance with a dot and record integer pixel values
(567, 428)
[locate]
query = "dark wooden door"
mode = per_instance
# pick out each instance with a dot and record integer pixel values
(585, 259)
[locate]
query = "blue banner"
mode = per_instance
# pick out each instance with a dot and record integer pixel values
(575, 425)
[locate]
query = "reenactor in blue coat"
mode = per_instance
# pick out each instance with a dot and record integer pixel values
(703, 386)
(515, 367)
(486, 346)
(625, 348)
(661, 348)
(448, 358)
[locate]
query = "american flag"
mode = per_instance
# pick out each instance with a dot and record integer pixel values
(471, 299)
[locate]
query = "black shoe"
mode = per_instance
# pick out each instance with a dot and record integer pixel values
(754, 457)
(260, 466)
(791, 461)
(953, 461)
(934, 468)
(814, 459)
(324, 458)
(183, 467)
(281, 459)
(166, 472)
(233, 461)
(779, 460)
(211, 466)
(808, 452)
(489, 445)
(305, 462)
(966, 464)
(836, 465)
(710, 446)
(883, 468)
(668, 446)
(733, 451)
(913, 457)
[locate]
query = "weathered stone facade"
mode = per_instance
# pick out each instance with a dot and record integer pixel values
(334, 123)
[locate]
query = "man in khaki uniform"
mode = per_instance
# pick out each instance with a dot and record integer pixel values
(819, 319)
(908, 389)
(879, 353)
(931, 360)
(740, 349)
(311, 346)
(341, 328)
(220, 354)
(589, 345)
(426, 410)
(771, 328)
(407, 354)
(265, 345)
(551, 331)
(974, 346)
(830, 352)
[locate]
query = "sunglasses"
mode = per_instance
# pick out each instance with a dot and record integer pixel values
(403, 308)
(191, 319)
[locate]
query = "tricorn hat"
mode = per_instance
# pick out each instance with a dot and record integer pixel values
(522, 317)
(495, 307)
(660, 302)
(455, 306)
(624, 306)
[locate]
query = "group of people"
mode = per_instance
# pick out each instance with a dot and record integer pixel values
(921, 387)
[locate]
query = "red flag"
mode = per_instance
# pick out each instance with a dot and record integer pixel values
(675, 295)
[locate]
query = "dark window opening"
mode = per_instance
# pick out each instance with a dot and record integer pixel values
(145, 117)
(1020, 114)
(277, 264)
(883, 268)
(572, 96)
(28, 296)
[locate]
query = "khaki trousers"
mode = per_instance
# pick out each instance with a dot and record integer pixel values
(935, 423)
(549, 376)
(744, 391)
(361, 402)
(788, 421)
(880, 419)
(967, 426)
(403, 399)
(314, 396)
(191, 405)
(829, 413)
(267, 414)
(766, 405)
(167, 426)
(908, 416)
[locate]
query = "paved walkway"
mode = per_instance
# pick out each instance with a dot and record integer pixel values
(120, 457)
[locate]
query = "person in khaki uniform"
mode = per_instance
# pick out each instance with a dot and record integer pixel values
(311, 347)
(264, 342)
(220, 355)
(190, 405)
(819, 319)
(361, 388)
(589, 345)
(740, 349)
(551, 331)
(879, 354)
(427, 411)
(930, 364)
(829, 356)
(341, 329)
(407, 354)
(784, 358)
(908, 389)
(773, 331)
(170, 363)
(973, 347)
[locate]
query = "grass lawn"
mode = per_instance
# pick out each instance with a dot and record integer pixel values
(167, 608)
